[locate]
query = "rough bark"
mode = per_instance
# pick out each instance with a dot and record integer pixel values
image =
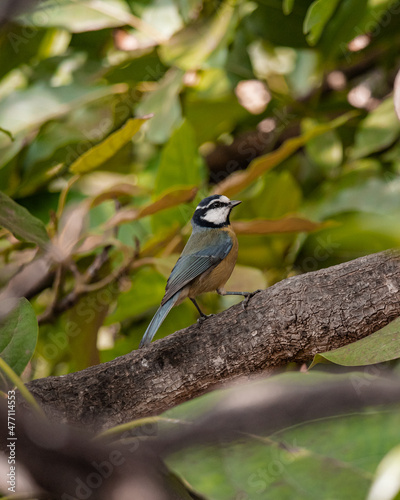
(289, 322)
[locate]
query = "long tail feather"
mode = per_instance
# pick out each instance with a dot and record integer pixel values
(157, 320)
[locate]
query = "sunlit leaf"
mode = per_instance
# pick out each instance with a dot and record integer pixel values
(171, 198)
(19, 332)
(386, 485)
(383, 345)
(189, 48)
(164, 103)
(396, 95)
(21, 223)
(77, 16)
(29, 108)
(284, 225)
(318, 15)
(102, 152)
(377, 131)
(240, 180)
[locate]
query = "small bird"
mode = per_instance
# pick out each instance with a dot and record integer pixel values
(206, 262)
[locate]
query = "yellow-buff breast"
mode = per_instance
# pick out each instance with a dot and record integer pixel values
(217, 276)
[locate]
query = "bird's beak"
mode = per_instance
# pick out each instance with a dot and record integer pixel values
(234, 203)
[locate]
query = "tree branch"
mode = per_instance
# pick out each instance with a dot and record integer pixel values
(289, 322)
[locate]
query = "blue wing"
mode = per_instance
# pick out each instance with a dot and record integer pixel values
(203, 251)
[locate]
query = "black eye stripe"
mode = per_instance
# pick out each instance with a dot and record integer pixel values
(217, 204)
(212, 205)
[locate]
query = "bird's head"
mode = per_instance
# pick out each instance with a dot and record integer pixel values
(213, 212)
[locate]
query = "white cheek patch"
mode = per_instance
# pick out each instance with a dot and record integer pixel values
(216, 215)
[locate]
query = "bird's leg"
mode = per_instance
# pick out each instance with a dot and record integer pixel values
(202, 315)
(247, 295)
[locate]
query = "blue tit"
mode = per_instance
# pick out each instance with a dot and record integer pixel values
(206, 262)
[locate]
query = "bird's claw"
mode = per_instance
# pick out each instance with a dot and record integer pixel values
(201, 320)
(245, 301)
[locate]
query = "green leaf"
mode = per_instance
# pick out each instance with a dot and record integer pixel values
(378, 131)
(325, 459)
(147, 290)
(317, 16)
(180, 161)
(28, 109)
(386, 485)
(326, 150)
(7, 132)
(21, 223)
(287, 6)
(342, 27)
(106, 149)
(77, 17)
(192, 46)
(19, 333)
(226, 112)
(180, 165)
(355, 234)
(383, 345)
(18, 383)
(164, 103)
(271, 23)
(82, 324)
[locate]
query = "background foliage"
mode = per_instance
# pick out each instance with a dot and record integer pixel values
(117, 117)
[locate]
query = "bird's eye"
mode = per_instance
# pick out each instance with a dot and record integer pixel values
(218, 204)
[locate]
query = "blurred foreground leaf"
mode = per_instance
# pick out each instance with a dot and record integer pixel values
(383, 345)
(386, 485)
(19, 332)
(335, 457)
(21, 223)
(102, 152)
